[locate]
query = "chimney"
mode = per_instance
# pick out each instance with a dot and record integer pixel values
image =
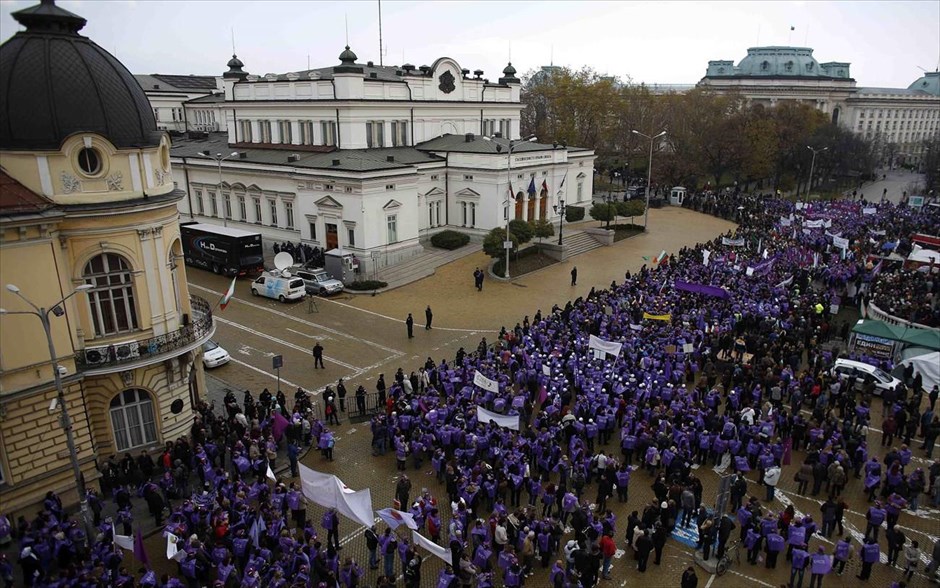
(335, 162)
(468, 138)
(373, 75)
(292, 158)
(243, 155)
(497, 135)
(390, 158)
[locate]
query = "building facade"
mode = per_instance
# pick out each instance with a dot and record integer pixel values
(372, 159)
(87, 201)
(902, 119)
(185, 103)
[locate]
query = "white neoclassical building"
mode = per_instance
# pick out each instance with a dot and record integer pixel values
(901, 117)
(373, 158)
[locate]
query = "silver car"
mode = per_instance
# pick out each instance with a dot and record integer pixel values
(317, 281)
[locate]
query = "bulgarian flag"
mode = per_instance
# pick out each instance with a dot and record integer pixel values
(228, 294)
(659, 259)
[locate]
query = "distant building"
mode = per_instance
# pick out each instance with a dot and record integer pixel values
(185, 103)
(372, 158)
(87, 199)
(901, 117)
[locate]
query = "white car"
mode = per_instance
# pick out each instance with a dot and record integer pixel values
(280, 286)
(213, 355)
(863, 371)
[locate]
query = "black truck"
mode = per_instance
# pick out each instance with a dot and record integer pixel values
(222, 250)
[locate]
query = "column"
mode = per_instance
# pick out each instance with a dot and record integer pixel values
(525, 206)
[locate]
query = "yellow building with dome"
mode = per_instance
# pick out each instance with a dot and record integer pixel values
(88, 215)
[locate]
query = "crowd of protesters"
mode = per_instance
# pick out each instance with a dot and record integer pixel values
(302, 253)
(910, 295)
(734, 376)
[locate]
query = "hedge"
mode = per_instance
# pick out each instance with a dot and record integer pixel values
(574, 213)
(363, 285)
(450, 240)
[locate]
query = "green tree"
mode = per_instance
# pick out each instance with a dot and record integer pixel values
(493, 242)
(542, 229)
(631, 208)
(602, 211)
(521, 229)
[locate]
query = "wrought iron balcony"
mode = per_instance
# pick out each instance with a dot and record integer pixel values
(129, 354)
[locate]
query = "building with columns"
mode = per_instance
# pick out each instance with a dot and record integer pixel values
(901, 118)
(372, 159)
(88, 214)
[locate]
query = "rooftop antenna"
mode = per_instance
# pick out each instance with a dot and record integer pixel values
(233, 40)
(551, 59)
(308, 61)
(758, 34)
(380, 33)
(346, 17)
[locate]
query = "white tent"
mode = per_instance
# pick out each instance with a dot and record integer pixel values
(928, 366)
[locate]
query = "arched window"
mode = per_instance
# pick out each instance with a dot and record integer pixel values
(132, 420)
(112, 299)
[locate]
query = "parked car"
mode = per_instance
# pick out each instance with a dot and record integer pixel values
(213, 355)
(863, 371)
(279, 286)
(318, 281)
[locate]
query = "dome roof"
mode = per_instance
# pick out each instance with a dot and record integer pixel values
(779, 61)
(235, 66)
(930, 83)
(56, 82)
(347, 56)
(509, 70)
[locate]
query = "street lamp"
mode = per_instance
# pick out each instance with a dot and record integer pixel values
(64, 420)
(812, 166)
(560, 210)
(649, 173)
(219, 159)
(499, 149)
(609, 198)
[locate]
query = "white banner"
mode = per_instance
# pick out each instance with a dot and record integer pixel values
(739, 242)
(395, 518)
(869, 210)
(432, 547)
(329, 491)
(785, 283)
(827, 223)
(487, 416)
(880, 233)
(546, 370)
(705, 255)
(599, 344)
(485, 383)
(122, 541)
(813, 224)
(840, 242)
(785, 222)
(749, 271)
(828, 234)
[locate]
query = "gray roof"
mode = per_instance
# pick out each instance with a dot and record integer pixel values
(460, 144)
(176, 83)
(350, 160)
(900, 91)
(208, 99)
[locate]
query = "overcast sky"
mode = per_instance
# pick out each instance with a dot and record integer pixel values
(653, 42)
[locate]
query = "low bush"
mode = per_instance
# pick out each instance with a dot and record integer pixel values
(364, 285)
(450, 240)
(574, 213)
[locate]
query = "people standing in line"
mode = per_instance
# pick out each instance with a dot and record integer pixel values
(318, 356)
(574, 276)
(410, 325)
(842, 554)
(341, 392)
(870, 553)
(820, 564)
(361, 400)
(428, 316)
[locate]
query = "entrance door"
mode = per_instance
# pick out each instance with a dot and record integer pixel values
(543, 205)
(332, 237)
(531, 209)
(519, 206)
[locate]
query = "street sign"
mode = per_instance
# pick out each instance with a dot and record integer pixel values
(507, 244)
(278, 361)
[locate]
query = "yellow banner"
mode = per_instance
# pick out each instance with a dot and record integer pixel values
(657, 317)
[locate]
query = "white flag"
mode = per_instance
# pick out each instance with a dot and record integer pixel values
(271, 475)
(485, 383)
(432, 547)
(329, 491)
(486, 416)
(122, 541)
(395, 518)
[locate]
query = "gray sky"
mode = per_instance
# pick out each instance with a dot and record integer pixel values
(664, 42)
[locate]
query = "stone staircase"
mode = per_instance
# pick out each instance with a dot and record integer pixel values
(579, 242)
(423, 265)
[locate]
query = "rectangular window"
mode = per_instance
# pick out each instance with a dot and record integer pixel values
(272, 206)
(580, 190)
(244, 131)
(328, 127)
(214, 204)
(285, 132)
(348, 189)
(468, 177)
(200, 204)
(389, 186)
(264, 130)
(227, 204)
(313, 230)
(375, 136)
(328, 187)
(395, 142)
(463, 214)
(434, 177)
(288, 214)
(437, 213)
(242, 209)
(399, 133)
(392, 224)
(306, 133)
(258, 218)
(156, 114)
(430, 214)
(351, 235)
(473, 214)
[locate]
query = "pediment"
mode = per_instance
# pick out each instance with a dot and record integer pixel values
(391, 205)
(328, 202)
(467, 193)
(434, 192)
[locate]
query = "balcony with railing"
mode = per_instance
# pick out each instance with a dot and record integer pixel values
(132, 354)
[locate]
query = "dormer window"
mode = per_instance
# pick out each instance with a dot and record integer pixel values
(765, 65)
(809, 66)
(789, 66)
(721, 70)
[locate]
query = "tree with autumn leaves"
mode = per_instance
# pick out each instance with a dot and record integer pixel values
(712, 139)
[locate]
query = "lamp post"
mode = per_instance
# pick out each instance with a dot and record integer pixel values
(499, 148)
(609, 198)
(219, 159)
(64, 420)
(812, 167)
(649, 173)
(560, 210)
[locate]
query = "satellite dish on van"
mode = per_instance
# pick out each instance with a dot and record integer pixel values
(283, 260)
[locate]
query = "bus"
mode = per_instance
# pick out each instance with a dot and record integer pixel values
(222, 250)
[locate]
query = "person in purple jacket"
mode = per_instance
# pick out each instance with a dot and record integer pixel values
(870, 554)
(842, 554)
(798, 566)
(820, 565)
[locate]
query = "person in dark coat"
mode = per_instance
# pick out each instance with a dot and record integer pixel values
(689, 579)
(410, 325)
(644, 545)
(428, 317)
(574, 276)
(318, 356)
(659, 541)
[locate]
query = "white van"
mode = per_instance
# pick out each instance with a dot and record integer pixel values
(863, 371)
(280, 287)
